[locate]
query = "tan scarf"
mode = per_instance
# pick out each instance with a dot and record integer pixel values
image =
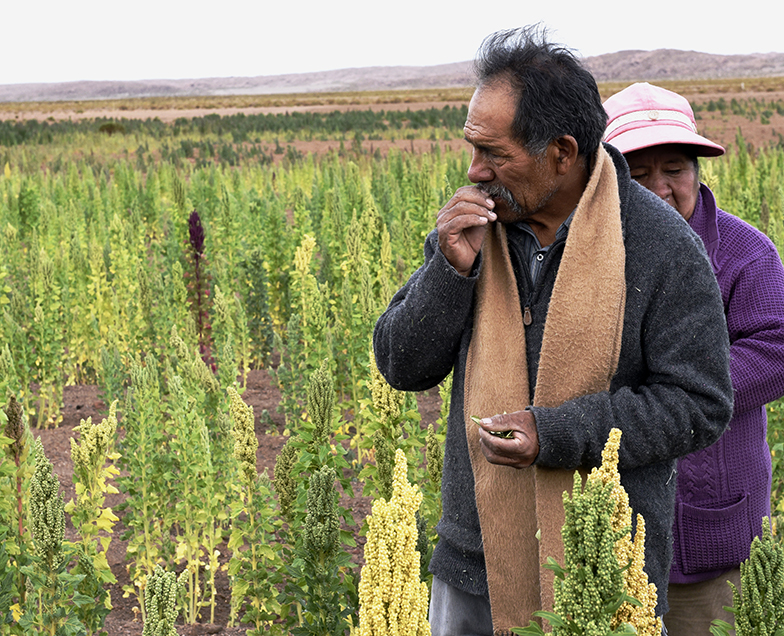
(579, 356)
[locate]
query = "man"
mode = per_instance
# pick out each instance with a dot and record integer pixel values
(568, 300)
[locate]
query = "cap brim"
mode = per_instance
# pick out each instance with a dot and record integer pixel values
(659, 134)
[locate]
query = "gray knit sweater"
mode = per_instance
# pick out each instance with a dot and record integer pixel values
(671, 394)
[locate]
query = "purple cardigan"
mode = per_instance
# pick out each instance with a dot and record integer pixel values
(724, 490)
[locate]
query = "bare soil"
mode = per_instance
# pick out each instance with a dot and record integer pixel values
(83, 401)
(723, 129)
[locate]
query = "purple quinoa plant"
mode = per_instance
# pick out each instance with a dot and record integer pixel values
(199, 286)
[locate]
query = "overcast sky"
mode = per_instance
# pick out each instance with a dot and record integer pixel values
(56, 41)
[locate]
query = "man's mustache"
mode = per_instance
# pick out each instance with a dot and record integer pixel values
(498, 191)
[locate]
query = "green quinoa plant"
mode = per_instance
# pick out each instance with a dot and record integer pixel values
(204, 469)
(209, 400)
(49, 343)
(776, 443)
(593, 590)
(278, 244)
(758, 605)
(195, 373)
(284, 481)
(378, 427)
(161, 603)
(242, 349)
(226, 228)
(392, 415)
(179, 193)
(254, 568)
(321, 590)
(255, 297)
(16, 359)
(16, 469)
(318, 447)
(150, 289)
(95, 312)
(112, 373)
(8, 575)
(177, 308)
(316, 436)
(128, 254)
(310, 341)
(430, 510)
(589, 588)
(227, 332)
(28, 205)
(331, 228)
(358, 303)
(195, 508)
(51, 608)
(9, 381)
(90, 517)
(286, 374)
(146, 464)
(385, 464)
(431, 492)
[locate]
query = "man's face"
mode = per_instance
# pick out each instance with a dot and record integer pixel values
(669, 173)
(520, 184)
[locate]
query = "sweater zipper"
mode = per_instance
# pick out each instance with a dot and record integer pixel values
(527, 317)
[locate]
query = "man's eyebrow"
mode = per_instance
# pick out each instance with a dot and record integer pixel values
(477, 144)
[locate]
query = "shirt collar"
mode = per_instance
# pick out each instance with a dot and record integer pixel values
(562, 231)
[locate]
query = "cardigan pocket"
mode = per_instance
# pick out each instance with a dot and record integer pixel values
(714, 538)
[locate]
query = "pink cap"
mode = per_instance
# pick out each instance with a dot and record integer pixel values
(642, 115)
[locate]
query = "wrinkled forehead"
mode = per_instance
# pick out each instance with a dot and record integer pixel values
(491, 111)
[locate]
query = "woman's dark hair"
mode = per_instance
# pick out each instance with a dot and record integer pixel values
(696, 161)
(556, 95)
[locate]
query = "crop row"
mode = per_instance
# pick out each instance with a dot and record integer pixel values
(239, 127)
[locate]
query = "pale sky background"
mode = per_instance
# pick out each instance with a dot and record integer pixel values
(57, 41)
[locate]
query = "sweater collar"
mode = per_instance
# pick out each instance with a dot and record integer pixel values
(624, 180)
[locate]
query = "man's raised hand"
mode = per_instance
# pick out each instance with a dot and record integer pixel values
(462, 224)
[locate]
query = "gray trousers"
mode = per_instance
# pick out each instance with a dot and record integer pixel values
(457, 613)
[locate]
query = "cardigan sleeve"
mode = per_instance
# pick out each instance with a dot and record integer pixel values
(755, 320)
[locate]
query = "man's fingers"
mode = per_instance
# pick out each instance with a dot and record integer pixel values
(504, 452)
(468, 201)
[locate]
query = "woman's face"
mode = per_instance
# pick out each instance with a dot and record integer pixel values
(669, 173)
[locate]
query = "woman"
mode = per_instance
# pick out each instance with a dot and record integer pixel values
(724, 490)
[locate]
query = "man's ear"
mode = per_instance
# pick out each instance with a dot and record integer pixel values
(565, 153)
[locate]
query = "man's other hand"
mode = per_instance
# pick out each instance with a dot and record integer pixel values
(519, 450)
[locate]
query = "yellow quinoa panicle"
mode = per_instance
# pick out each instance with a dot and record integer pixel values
(392, 599)
(644, 617)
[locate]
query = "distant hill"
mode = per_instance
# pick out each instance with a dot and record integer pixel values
(622, 66)
(671, 64)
